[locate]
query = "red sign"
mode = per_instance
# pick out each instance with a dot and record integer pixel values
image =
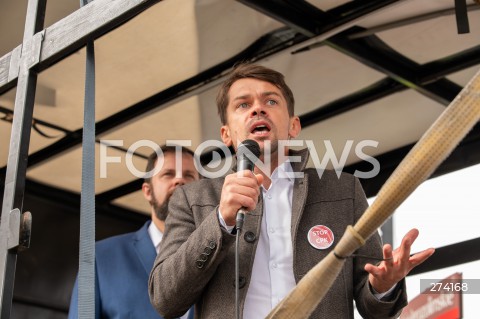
(438, 301)
(320, 237)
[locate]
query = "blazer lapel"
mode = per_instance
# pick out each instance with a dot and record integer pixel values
(144, 249)
(300, 188)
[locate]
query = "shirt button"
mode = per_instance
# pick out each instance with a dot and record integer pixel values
(272, 230)
(274, 265)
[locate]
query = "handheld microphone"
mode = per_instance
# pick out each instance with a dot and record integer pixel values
(247, 154)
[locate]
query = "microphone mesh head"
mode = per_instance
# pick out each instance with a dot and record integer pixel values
(247, 147)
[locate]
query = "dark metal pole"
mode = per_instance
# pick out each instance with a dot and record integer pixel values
(12, 220)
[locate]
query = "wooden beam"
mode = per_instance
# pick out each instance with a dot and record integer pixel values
(13, 222)
(9, 68)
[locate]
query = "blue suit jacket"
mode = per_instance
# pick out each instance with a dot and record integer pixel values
(122, 267)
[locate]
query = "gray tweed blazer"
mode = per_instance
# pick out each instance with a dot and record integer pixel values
(196, 264)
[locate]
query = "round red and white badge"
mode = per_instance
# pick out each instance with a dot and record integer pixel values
(320, 237)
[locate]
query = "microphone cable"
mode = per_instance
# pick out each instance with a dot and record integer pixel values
(238, 231)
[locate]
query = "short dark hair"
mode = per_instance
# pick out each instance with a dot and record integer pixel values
(152, 159)
(254, 71)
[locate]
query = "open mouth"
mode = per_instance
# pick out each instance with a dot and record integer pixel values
(260, 129)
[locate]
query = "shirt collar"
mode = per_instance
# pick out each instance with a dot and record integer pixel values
(155, 235)
(284, 170)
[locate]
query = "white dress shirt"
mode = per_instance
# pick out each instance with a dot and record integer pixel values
(155, 235)
(272, 273)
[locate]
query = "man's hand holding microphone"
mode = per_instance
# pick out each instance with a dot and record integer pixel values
(241, 189)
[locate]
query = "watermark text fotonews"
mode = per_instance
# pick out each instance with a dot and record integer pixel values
(221, 163)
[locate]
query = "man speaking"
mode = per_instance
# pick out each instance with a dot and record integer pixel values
(295, 218)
